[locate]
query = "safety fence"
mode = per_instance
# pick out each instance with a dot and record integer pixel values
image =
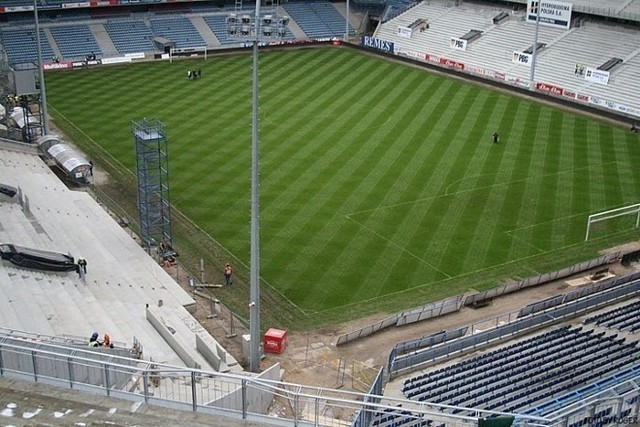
(429, 311)
(600, 294)
(483, 297)
(228, 395)
(364, 417)
(454, 304)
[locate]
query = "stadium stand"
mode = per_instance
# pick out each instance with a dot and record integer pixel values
(527, 373)
(177, 29)
(107, 299)
(130, 36)
(590, 44)
(538, 375)
(75, 41)
(445, 22)
(318, 19)
(625, 318)
(20, 44)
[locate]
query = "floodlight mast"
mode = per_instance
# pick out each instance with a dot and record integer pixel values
(43, 92)
(532, 84)
(346, 31)
(239, 29)
(254, 309)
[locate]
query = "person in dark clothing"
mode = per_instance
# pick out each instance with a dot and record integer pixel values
(496, 137)
(82, 267)
(93, 341)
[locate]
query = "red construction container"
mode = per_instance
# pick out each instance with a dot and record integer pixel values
(275, 341)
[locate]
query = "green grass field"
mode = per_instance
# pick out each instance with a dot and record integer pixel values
(381, 188)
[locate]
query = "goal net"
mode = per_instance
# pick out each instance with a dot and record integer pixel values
(613, 221)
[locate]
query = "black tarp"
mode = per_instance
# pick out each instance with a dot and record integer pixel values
(8, 190)
(36, 259)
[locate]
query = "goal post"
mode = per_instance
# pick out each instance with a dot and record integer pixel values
(613, 213)
(186, 52)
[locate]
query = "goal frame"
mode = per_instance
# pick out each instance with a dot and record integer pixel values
(613, 213)
(187, 52)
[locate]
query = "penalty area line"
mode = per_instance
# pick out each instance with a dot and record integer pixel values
(375, 233)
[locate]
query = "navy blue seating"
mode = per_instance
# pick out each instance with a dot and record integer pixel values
(75, 41)
(130, 36)
(527, 373)
(318, 19)
(178, 29)
(621, 318)
(21, 45)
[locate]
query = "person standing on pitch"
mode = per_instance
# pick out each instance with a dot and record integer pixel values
(228, 271)
(496, 137)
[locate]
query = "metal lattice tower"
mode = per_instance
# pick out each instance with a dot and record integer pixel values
(152, 172)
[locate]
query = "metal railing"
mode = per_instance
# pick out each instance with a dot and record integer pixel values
(236, 396)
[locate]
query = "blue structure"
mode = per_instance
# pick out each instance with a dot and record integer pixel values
(152, 172)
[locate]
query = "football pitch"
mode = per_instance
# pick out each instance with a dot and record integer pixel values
(381, 188)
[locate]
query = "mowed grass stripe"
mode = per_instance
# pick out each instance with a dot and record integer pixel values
(388, 157)
(487, 202)
(439, 221)
(317, 181)
(333, 191)
(433, 222)
(560, 134)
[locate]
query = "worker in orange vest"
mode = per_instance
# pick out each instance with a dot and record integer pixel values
(228, 271)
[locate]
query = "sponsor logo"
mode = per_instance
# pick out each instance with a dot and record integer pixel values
(75, 5)
(452, 64)
(432, 58)
(457, 44)
(553, 90)
(476, 70)
(18, 8)
(116, 60)
(596, 76)
(569, 93)
(521, 58)
(56, 66)
(499, 76)
(581, 97)
(382, 45)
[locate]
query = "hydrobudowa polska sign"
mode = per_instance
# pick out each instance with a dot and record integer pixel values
(552, 13)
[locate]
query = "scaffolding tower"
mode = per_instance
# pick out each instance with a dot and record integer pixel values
(152, 172)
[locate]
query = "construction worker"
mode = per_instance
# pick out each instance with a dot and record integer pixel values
(93, 341)
(228, 271)
(106, 341)
(82, 267)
